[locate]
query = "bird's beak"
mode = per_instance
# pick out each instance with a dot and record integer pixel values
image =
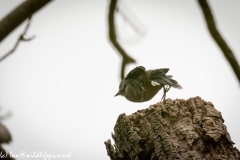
(118, 93)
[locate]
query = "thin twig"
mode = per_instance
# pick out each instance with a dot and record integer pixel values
(21, 38)
(130, 18)
(218, 38)
(5, 116)
(126, 59)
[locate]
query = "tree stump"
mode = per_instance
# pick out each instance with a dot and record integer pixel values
(179, 129)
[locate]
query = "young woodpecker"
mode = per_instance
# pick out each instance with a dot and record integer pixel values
(140, 85)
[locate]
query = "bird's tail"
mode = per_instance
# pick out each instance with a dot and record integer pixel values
(174, 83)
(159, 77)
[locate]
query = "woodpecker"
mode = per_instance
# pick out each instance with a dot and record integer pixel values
(140, 85)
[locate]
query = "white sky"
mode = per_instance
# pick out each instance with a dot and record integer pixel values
(60, 86)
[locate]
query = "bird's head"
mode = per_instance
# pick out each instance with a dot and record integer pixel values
(121, 89)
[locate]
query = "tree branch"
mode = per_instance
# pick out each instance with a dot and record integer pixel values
(218, 38)
(18, 15)
(126, 59)
(21, 38)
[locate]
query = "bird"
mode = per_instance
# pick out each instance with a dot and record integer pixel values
(141, 85)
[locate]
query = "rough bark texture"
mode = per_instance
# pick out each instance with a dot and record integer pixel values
(181, 129)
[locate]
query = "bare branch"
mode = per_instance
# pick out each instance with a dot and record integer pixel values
(18, 15)
(131, 19)
(21, 38)
(218, 38)
(126, 59)
(6, 115)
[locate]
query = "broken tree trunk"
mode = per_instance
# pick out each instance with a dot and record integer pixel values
(178, 129)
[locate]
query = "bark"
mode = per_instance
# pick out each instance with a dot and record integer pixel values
(178, 129)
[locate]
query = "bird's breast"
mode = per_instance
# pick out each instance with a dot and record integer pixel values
(151, 91)
(135, 92)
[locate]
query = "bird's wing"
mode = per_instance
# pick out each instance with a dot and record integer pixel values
(159, 77)
(164, 70)
(175, 83)
(136, 72)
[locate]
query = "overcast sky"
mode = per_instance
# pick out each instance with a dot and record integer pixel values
(60, 87)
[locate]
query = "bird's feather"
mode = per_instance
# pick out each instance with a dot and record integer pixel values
(136, 72)
(159, 76)
(154, 83)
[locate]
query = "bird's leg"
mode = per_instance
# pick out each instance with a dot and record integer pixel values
(165, 90)
(164, 95)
